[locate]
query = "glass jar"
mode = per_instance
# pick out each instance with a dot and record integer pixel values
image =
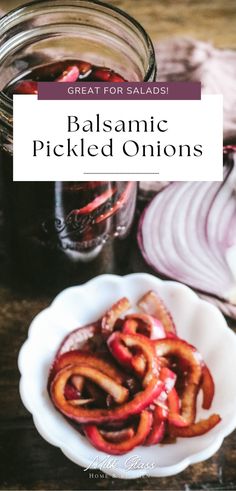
(63, 233)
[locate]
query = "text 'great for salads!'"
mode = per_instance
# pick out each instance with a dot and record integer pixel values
(71, 71)
(129, 380)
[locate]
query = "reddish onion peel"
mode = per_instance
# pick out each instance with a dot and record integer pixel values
(196, 429)
(153, 305)
(157, 432)
(208, 387)
(111, 316)
(182, 350)
(106, 383)
(76, 357)
(98, 440)
(139, 402)
(119, 344)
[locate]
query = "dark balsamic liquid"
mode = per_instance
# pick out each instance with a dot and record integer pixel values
(65, 232)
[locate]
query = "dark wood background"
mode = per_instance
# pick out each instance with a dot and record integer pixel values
(209, 20)
(26, 460)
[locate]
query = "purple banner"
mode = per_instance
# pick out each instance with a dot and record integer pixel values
(124, 90)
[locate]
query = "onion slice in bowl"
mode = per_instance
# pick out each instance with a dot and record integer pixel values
(188, 233)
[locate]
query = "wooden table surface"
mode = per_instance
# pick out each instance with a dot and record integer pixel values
(212, 20)
(26, 460)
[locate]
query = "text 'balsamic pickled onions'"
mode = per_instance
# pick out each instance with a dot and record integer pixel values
(188, 233)
(129, 380)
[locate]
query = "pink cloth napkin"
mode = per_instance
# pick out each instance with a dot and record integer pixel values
(189, 59)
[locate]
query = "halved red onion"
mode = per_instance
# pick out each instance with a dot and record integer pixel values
(188, 233)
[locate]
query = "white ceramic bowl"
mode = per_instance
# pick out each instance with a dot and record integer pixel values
(197, 321)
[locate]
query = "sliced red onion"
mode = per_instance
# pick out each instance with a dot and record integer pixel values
(79, 338)
(188, 233)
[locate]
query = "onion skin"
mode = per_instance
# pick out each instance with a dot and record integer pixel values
(71, 393)
(80, 402)
(196, 429)
(78, 338)
(157, 432)
(111, 316)
(153, 305)
(144, 324)
(174, 416)
(119, 435)
(26, 87)
(162, 412)
(118, 205)
(183, 351)
(76, 357)
(169, 379)
(126, 341)
(70, 74)
(93, 205)
(208, 387)
(119, 393)
(98, 440)
(78, 382)
(81, 415)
